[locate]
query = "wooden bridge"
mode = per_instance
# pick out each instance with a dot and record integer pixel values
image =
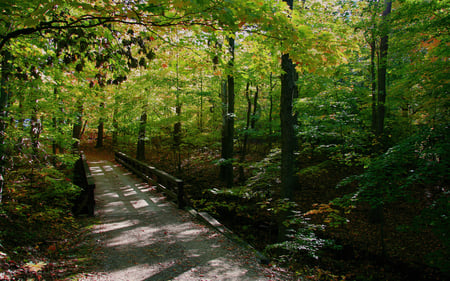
(142, 237)
(165, 182)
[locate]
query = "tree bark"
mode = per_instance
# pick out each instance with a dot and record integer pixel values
(3, 116)
(373, 83)
(177, 125)
(140, 154)
(245, 140)
(228, 128)
(200, 124)
(115, 127)
(381, 110)
(288, 139)
(77, 127)
(271, 87)
(177, 137)
(35, 129)
(255, 109)
(100, 128)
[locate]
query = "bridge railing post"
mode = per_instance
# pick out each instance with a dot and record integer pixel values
(180, 193)
(85, 203)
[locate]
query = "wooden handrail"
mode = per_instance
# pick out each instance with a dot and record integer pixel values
(85, 202)
(169, 184)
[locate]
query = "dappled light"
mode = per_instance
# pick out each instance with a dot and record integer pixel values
(224, 140)
(144, 236)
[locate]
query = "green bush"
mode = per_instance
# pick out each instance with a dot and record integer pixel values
(420, 163)
(37, 206)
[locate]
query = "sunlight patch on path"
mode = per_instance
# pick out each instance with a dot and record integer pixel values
(144, 237)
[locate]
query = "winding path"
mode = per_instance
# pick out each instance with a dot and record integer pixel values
(144, 237)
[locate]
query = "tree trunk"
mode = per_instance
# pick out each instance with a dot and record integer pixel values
(381, 110)
(140, 154)
(100, 128)
(245, 140)
(77, 127)
(56, 145)
(287, 127)
(115, 127)
(373, 84)
(35, 129)
(3, 116)
(255, 109)
(271, 86)
(200, 124)
(177, 137)
(177, 125)
(288, 139)
(228, 129)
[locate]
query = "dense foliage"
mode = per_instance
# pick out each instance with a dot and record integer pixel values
(178, 82)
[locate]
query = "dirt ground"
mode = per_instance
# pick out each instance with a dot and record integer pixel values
(142, 236)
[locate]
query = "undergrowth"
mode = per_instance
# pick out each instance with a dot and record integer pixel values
(40, 239)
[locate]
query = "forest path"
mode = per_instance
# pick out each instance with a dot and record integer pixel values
(142, 236)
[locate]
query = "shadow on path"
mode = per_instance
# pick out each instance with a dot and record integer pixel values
(144, 237)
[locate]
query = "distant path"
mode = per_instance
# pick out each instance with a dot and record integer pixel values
(143, 237)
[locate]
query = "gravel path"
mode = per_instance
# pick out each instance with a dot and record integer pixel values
(144, 237)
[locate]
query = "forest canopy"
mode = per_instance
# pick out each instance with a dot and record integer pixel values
(334, 108)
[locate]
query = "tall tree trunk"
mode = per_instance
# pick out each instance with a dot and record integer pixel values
(177, 136)
(255, 109)
(100, 128)
(200, 123)
(381, 110)
(271, 87)
(140, 154)
(115, 127)
(247, 127)
(55, 143)
(288, 139)
(3, 116)
(373, 84)
(228, 129)
(77, 126)
(177, 125)
(35, 129)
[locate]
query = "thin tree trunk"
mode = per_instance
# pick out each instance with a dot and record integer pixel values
(271, 86)
(115, 127)
(373, 84)
(35, 129)
(3, 116)
(140, 154)
(224, 99)
(255, 109)
(381, 110)
(77, 127)
(177, 125)
(201, 104)
(177, 137)
(100, 128)
(245, 140)
(228, 136)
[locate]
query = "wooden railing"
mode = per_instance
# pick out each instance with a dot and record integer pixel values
(85, 202)
(170, 185)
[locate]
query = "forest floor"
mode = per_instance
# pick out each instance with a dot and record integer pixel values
(141, 236)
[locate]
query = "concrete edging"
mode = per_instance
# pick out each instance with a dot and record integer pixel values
(211, 221)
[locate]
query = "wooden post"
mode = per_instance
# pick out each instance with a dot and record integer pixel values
(180, 193)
